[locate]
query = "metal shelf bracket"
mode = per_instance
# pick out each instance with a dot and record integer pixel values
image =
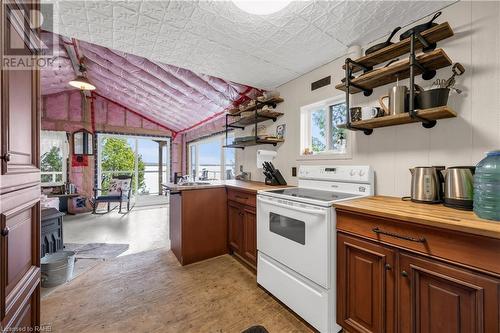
(348, 84)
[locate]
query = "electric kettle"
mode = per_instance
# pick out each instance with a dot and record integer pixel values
(427, 184)
(459, 187)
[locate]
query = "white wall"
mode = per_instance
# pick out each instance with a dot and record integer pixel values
(392, 150)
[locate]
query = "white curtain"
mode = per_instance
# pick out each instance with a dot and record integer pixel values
(50, 139)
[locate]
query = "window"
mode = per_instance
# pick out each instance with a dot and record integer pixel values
(138, 156)
(319, 132)
(53, 159)
(208, 160)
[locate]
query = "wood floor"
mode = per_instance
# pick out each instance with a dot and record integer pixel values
(151, 292)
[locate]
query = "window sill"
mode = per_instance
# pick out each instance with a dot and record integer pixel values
(325, 156)
(52, 184)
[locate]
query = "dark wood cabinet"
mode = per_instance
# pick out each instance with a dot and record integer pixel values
(250, 235)
(198, 224)
(436, 297)
(365, 285)
(385, 285)
(235, 221)
(19, 182)
(242, 226)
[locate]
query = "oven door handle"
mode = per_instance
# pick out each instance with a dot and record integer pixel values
(299, 209)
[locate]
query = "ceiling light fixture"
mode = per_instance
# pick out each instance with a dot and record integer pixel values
(81, 82)
(260, 7)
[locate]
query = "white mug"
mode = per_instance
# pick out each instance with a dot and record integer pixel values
(370, 112)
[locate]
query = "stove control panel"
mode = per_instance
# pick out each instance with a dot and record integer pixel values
(341, 173)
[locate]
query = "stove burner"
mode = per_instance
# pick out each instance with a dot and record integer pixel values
(308, 193)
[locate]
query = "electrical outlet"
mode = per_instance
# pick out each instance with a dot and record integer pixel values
(294, 171)
(241, 168)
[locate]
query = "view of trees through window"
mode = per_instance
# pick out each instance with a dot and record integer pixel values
(52, 166)
(318, 130)
(135, 156)
(327, 136)
(119, 157)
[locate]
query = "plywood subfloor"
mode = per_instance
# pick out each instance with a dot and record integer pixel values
(151, 292)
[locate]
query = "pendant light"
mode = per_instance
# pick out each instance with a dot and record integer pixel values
(81, 82)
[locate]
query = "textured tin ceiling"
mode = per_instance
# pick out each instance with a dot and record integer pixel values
(217, 38)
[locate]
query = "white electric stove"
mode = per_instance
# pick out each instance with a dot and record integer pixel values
(296, 239)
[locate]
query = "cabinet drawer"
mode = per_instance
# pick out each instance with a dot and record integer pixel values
(472, 250)
(244, 198)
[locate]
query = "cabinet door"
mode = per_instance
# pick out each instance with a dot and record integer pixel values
(19, 250)
(438, 298)
(250, 235)
(365, 286)
(20, 122)
(235, 219)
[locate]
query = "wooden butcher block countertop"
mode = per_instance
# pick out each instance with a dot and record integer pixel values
(435, 215)
(247, 186)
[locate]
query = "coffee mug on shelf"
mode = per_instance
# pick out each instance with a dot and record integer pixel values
(370, 112)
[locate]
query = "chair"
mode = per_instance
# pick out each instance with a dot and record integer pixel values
(120, 188)
(204, 174)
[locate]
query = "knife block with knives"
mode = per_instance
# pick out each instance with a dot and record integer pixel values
(273, 175)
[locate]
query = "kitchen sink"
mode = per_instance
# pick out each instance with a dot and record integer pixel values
(193, 184)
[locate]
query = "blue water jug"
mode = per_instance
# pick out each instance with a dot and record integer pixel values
(487, 187)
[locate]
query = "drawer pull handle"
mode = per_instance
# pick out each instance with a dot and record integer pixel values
(388, 267)
(242, 198)
(377, 230)
(404, 273)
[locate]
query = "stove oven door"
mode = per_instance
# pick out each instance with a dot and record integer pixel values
(296, 235)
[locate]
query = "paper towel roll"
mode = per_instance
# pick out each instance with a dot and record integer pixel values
(265, 156)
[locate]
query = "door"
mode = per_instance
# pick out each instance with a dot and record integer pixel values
(365, 286)
(19, 186)
(19, 149)
(296, 235)
(250, 235)
(439, 298)
(235, 220)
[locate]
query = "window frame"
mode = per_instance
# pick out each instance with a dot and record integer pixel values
(306, 129)
(64, 163)
(101, 136)
(221, 138)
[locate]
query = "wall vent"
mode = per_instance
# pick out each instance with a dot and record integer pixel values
(321, 83)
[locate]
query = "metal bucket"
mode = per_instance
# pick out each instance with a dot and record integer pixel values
(57, 268)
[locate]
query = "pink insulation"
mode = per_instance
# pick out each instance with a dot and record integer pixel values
(215, 126)
(63, 111)
(55, 77)
(56, 107)
(133, 120)
(75, 105)
(174, 97)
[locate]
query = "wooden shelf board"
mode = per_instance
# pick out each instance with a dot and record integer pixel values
(432, 35)
(258, 105)
(399, 70)
(253, 143)
(262, 116)
(404, 118)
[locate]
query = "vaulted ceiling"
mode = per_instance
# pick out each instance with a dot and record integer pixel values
(217, 38)
(174, 97)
